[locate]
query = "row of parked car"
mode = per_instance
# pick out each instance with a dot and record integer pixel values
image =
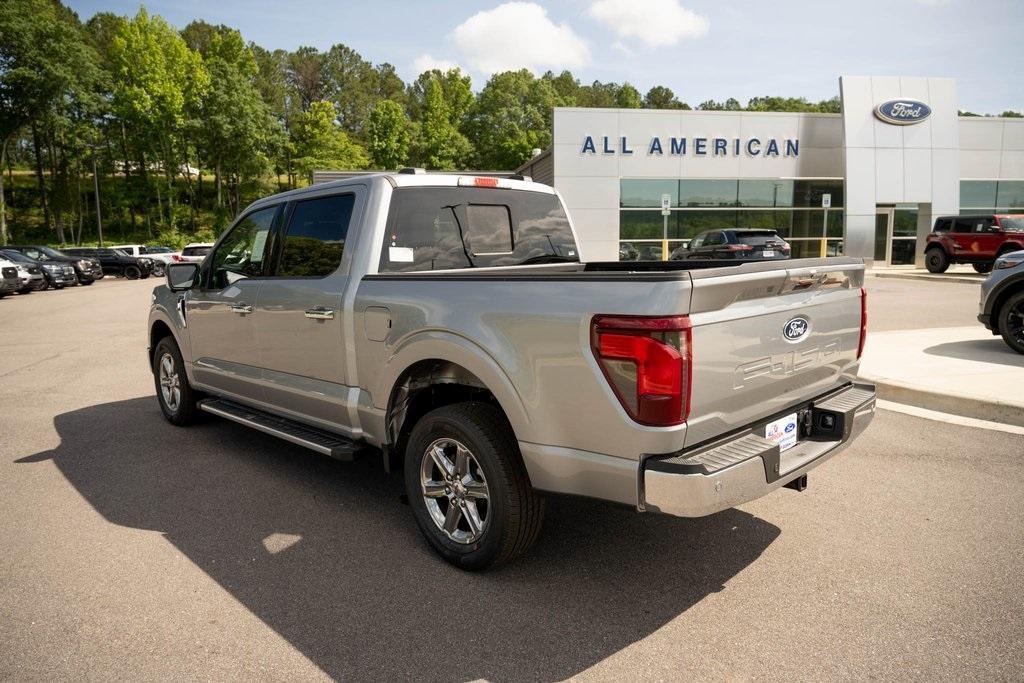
(26, 268)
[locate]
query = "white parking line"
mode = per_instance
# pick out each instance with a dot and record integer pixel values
(949, 418)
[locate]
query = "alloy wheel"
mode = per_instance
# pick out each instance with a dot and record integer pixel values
(1015, 322)
(455, 490)
(170, 383)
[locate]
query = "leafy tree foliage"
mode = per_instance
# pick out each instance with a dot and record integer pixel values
(133, 115)
(389, 135)
(319, 141)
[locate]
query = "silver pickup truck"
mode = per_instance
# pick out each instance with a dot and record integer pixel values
(450, 325)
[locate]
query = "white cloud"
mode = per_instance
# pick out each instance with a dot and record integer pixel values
(657, 23)
(619, 46)
(518, 35)
(426, 62)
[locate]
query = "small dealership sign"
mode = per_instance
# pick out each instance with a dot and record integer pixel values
(903, 112)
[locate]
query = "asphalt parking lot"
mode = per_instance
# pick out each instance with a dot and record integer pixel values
(133, 549)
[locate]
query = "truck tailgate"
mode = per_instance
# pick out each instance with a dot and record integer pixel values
(745, 365)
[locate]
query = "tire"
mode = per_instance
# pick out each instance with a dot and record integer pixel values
(168, 374)
(936, 260)
(158, 272)
(1010, 320)
(132, 273)
(982, 268)
(494, 490)
(86, 283)
(25, 290)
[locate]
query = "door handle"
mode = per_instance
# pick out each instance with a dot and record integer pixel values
(320, 313)
(241, 308)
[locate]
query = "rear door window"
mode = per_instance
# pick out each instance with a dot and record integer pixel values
(943, 225)
(445, 228)
(966, 224)
(314, 241)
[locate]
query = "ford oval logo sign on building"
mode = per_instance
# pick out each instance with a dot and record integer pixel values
(796, 329)
(903, 112)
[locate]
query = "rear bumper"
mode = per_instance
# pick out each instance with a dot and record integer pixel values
(745, 466)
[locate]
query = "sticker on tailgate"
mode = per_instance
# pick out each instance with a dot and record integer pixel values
(782, 431)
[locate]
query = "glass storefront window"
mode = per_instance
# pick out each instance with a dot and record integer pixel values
(977, 193)
(904, 223)
(1009, 194)
(707, 192)
(768, 193)
(692, 222)
(807, 193)
(812, 248)
(809, 223)
(647, 193)
(638, 225)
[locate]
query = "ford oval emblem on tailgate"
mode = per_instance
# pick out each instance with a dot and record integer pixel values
(796, 329)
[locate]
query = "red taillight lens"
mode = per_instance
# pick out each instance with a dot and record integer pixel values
(485, 182)
(647, 362)
(176, 258)
(863, 321)
(739, 247)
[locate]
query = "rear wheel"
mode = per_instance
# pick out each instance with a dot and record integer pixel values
(1011, 322)
(982, 268)
(936, 260)
(158, 271)
(132, 272)
(85, 283)
(176, 397)
(468, 488)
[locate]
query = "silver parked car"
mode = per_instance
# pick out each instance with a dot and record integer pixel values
(1002, 300)
(448, 323)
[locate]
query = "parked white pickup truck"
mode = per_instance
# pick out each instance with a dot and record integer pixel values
(449, 323)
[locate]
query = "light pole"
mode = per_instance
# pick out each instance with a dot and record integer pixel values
(96, 192)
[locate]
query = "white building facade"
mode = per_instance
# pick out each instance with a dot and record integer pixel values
(895, 158)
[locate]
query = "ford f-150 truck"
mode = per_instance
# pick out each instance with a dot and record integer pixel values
(450, 324)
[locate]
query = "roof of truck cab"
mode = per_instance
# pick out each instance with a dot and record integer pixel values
(396, 179)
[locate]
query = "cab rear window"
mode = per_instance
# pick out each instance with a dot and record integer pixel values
(445, 228)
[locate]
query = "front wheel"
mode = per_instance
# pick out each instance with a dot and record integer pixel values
(132, 272)
(936, 261)
(158, 271)
(176, 397)
(85, 283)
(982, 268)
(468, 488)
(1011, 322)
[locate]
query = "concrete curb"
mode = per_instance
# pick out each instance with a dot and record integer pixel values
(936, 278)
(980, 409)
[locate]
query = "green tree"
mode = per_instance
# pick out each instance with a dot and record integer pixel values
(628, 97)
(566, 86)
(511, 117)
(456, 91)
(660, 97)
(350, 83)
(320, 143)
(438, 143)
(154, 94)
(42, 52)
(389, 135)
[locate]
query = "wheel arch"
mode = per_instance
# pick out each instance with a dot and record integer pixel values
(440, 370)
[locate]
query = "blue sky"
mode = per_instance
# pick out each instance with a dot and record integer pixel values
(702, 49)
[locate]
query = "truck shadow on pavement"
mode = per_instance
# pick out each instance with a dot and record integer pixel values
(325, 553)
(992, 350)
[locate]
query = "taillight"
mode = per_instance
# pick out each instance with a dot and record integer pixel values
(863, 321)
(739, 247)
(176, 258)
(647, 361)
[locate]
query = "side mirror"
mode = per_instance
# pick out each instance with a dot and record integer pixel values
(181, 276)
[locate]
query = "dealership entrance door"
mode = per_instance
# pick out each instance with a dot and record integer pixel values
(895, 235)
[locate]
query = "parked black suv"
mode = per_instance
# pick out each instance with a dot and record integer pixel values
(746, 245)
(87, 270)
(117, 262)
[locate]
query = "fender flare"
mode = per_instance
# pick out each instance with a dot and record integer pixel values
(452, 348)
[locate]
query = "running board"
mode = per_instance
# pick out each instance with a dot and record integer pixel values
(327, 443)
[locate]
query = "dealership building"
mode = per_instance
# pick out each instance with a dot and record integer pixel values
(867, 182)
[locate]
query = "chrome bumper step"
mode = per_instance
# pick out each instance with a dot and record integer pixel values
(327, 443)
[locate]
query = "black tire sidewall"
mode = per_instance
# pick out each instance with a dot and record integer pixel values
(450, 422)
(132, 273)
(941, 261)
(982, 268)
(1004, 314)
